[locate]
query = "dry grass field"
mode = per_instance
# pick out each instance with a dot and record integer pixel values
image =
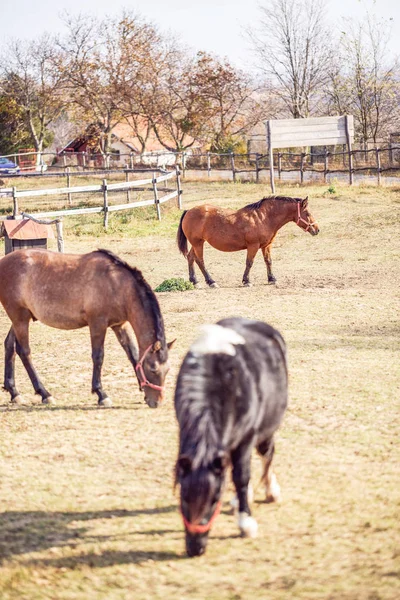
(87, 504)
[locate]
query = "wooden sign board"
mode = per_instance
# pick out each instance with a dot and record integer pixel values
(318, 131)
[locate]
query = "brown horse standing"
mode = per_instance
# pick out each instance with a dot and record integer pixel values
(252, 227)
(69, 291)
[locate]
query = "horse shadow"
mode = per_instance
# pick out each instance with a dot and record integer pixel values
(36, 531)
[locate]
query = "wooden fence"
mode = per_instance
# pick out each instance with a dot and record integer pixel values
(159, 196)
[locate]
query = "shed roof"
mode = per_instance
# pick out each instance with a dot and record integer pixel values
(25, 229)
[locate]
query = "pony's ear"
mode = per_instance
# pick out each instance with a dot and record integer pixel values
(220, 463)
(304, 202)
(184, 465)
(156, 346)
(170, 344)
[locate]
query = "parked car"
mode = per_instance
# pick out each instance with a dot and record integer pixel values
(8, 166)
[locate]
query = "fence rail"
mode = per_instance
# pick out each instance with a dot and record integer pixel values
(148, 184)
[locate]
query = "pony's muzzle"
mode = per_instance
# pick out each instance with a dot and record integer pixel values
(196, 544)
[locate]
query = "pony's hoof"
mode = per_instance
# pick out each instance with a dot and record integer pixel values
(105, 403)
(18, 400)
(49, 400)
(272, 281)
(197, 286)
(247, 284)
(213, 285)
(248, 525)
(273, 490)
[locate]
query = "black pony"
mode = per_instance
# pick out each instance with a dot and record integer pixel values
(230, 396)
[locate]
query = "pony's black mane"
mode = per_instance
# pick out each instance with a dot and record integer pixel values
(144, 290)
(259, 203)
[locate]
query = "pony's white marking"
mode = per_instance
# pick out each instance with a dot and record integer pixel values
(215, 339)
(273, 489)
(105, 403)
(247, 525)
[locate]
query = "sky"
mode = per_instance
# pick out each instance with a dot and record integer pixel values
(216, 26)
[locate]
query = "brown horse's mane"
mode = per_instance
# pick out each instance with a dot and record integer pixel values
(259, 203)
(144, 290)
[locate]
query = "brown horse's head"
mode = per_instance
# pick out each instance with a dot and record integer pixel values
(304, 218)
(151, 370)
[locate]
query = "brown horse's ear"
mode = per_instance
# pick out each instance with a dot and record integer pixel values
(304, 202)
(170, 344)
(157, 346)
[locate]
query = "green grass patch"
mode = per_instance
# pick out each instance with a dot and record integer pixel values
(175, 284)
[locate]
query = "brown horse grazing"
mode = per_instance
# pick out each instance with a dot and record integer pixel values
(69, 291)
(252, 227)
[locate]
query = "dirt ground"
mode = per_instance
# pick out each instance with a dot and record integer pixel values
(87, 504)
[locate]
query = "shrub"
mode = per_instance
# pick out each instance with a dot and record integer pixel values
(176, 284)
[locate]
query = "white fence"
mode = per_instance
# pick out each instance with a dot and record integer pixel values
(159, 196)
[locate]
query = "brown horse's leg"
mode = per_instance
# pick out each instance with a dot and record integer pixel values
(126, 338)
(97, 337)
(251, 252)
(272, 488)
(9, 366)
(198, 250)
(22, 347)
(192, 274)
(267, 259)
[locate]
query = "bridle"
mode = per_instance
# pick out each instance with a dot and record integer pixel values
(195, 528)
(142, 376)
(300, 218)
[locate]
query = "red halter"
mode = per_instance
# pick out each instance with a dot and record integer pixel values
(195, 528)
(300, 218)
(142, 376)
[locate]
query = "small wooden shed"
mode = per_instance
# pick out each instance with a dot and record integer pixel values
(25, 233)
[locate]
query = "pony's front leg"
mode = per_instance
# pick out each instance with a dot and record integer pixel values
(23, 350)
(198, 250)
(241, 478)
(268, 263)
(9, 367)
(97, 337)
(251, 252)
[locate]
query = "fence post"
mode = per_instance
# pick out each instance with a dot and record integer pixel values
(233, 166)
(64, 161)
(183, 164)
(257, 168)
(84, 160)
(178, 186)
(378, 165)
(302, 155)
(105, 203)
(128, 191)
(346, 121)
(15, 202)
(208, 164)
(271, 157)
(279, 165)
(131, 160)
(60, 237)
(69, 185)
(156, 201)
(325, 164)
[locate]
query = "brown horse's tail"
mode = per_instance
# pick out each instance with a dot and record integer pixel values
(181, 238)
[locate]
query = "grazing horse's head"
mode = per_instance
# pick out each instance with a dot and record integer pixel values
(201, 489)
(151, 371)
(304, 218)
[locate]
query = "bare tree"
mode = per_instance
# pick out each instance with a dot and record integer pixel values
(101, 60)
(33, 82)
(293, 49)
(231, 99)
(365, 80)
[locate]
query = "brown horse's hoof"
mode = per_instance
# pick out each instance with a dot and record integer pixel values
(105, 403)
(214, 285)
(18, 400)
(49, 400)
